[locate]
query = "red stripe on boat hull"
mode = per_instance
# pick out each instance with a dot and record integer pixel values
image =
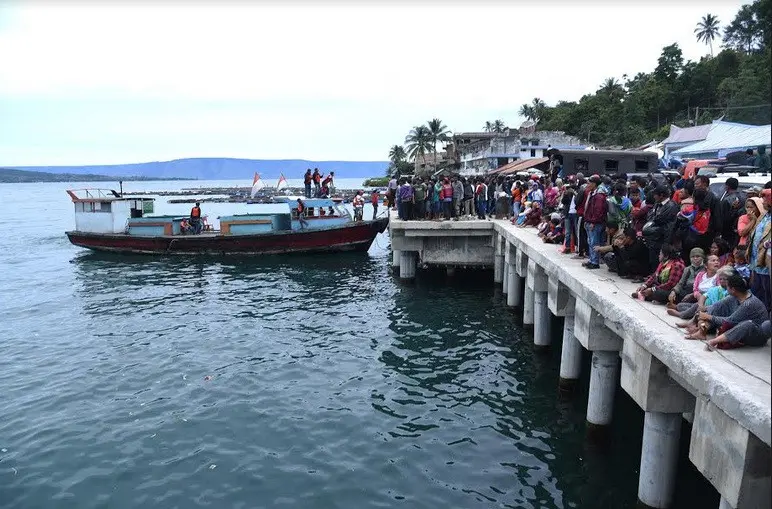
(356, 237)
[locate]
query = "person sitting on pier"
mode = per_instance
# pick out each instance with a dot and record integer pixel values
(686, 284)
(195, 218)
(742, 327)
(631, 256)
(668, 273)
(688, 311)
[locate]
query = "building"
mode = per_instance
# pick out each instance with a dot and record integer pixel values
(481, 152)
(723, 138)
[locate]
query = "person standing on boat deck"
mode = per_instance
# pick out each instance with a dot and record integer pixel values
(359, 205)
(317, 178)
(328, 183)
(307, 179)
(374, 198)
(301, 208)
(195, 218)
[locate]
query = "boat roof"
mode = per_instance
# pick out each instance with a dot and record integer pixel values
(309, 202)
(98, 194)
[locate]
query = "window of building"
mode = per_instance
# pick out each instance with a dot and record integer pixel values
(535, 141)
(610, 165)
(533, 152)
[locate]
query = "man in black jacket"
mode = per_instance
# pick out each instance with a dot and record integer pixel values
(711, 202)
(659, 225)
(631, 256)
(732, 207)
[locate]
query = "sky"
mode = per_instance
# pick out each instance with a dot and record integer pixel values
(84, 83)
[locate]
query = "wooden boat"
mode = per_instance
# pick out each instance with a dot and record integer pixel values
(107, 221)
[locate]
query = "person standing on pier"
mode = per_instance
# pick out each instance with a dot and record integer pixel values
(307, 179)
(195, 218)
(595, 216)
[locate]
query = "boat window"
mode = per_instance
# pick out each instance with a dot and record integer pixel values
(106, 206)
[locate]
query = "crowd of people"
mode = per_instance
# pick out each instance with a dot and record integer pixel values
(705, 257)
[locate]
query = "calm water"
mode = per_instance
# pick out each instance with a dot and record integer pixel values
(305, 382)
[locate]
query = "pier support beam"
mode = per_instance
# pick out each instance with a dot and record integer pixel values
(395, 259)
(520, 269)
(498, 259)
(603, 384)
(734, 460)
(659, 459)
(538, 285)
(514, 285)
(505, 279)
(570, 358)
(407, 262)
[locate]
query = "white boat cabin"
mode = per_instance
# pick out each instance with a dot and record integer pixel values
(105, 210)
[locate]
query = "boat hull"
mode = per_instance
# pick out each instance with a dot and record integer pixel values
(355, 237)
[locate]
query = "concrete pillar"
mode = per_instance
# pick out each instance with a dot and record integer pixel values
(603, 384)
(498, 259)
(407, 261)
(528, 306)
(514, 285)
(541, 318)
(521, 269)
(536, 281)
(570, 357)
(505, 280)
(394, 259)
(659, 459)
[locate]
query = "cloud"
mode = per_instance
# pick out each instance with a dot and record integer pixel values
(347, 80)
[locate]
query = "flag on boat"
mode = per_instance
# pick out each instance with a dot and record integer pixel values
(282, 183)
(257, 184)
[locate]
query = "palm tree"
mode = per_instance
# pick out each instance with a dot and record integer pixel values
(397, 154)
(438, 132)
(612, 89)
(419, 142)
(707, 30)
(538, 107)
(526, 110)
(498, 126)
(488, 127)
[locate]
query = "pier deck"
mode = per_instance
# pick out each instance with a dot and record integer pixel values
(726, 393)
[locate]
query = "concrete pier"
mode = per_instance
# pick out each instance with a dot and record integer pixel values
(394, 259)
(407, 262)
(726, 394)
(505, 280)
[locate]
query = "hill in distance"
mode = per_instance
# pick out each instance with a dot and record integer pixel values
(221, 169)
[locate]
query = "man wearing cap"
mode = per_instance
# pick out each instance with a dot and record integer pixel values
(595, 213)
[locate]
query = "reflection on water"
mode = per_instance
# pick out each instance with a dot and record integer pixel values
(304, 381)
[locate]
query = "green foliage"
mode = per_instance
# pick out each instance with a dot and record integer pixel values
(376, 182)
(734, 84)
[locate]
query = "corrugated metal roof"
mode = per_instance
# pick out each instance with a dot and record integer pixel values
(687, 134)
(728, 135)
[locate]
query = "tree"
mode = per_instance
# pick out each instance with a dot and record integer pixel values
(670, 63)
(488, 127)
(612, 89)
(746, 31)
(419, 142)
(707, 30)
(437, 132)
(527, 111)
(538, 106)
(397, 154)
(498, 126)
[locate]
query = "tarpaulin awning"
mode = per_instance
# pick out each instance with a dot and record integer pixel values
(521, 165)
(727, 137)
